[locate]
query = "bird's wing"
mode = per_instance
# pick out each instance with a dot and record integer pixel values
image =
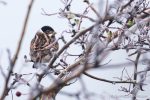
(39, 41)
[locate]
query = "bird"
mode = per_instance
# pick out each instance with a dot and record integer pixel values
(43, 46)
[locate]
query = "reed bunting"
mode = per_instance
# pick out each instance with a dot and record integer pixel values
(43, 46)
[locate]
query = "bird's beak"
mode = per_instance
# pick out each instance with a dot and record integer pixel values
(54, 33)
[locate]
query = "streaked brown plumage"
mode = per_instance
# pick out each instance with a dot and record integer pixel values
(43, 45)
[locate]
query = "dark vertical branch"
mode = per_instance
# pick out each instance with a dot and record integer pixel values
(136, 66)
(23, 33)
(13, 61)
(135, 71)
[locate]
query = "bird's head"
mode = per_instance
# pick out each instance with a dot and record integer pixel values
(47, 29)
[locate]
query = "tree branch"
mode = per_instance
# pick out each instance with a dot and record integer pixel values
(13, 62)
(108, 81)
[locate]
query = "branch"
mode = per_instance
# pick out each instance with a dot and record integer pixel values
(135, 72)
(94, 10)
(13, 62)
(69, 43)
(123, 7)
(64, 48)
(59, 83)
(105, 80)
(66, 13)
(132, 29)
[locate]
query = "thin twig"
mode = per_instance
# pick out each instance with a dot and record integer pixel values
(94, 10)
(105, 80)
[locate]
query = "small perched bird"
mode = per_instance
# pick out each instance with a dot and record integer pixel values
(43, 46)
